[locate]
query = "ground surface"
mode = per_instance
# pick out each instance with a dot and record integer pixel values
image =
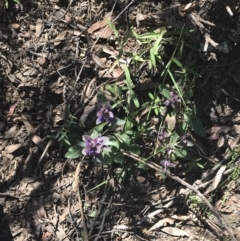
(47, 61)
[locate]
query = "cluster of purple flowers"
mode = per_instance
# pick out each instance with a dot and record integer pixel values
(94, 146)
(161, 135)
(105, 113)
(166, 164)
(173, 100)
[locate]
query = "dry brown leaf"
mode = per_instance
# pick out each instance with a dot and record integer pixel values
(57, 87)
(216, 130)
(181, 218)
(46, 236)
(171, 122)
(97, 26)
(216, 180)
(61, 235)
(65, 214)
(109, 50)
(175, 231)
(12, 148)
(117, 72)
(75, 32)
(12, 108)
(3, 144)
(213, 136)
(104, 33)
(31, 72)
(27, 122)
(38, 141)
(11, 132)
(161, 223)
(2, 8)
(121, 227)
(39, 27)
(43, 61)
(21, 238)
(98, 61)
(141, 179)
(60, 37)
(222, 140)
(15, 26)
(237, 129)
(5, 163)
(75, 183)
(38, 209)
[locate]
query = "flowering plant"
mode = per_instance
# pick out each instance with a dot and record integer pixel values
(105, 114)
(173, 100)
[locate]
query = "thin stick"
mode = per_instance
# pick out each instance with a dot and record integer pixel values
(103, 219)
(179, 180)
(77, 180)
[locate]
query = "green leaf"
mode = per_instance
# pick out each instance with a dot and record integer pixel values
(181, 153)
(74, 152)
(151, 95)
(101, 97)
(99, 128)
(110, 88)
(117, 90)
(148, 36)
(112, 27)
(118, 157)
(149, 64)
(128, 125)
(177, 62)
(196, 125)
(123, 137)
(95, 133)
(142, 166)
(156, 111)
(106, 159)
(165, 93)
(135, 101)
(133, 149)
(129, 132)
(128, 77)
(113, 142)
(200, 165)
(157, 42)
(138, 58)
(120, 122)
(152, 57)
(92, 214)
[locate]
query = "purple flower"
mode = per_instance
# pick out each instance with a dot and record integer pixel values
(166, 164)
(173, 100)
(105, 113)
(160, 134)
(94, 146)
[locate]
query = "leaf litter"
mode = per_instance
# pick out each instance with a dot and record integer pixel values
(40, 64)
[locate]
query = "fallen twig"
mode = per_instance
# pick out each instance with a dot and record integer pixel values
(77, 180)
(106, 191)
(103, 219)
